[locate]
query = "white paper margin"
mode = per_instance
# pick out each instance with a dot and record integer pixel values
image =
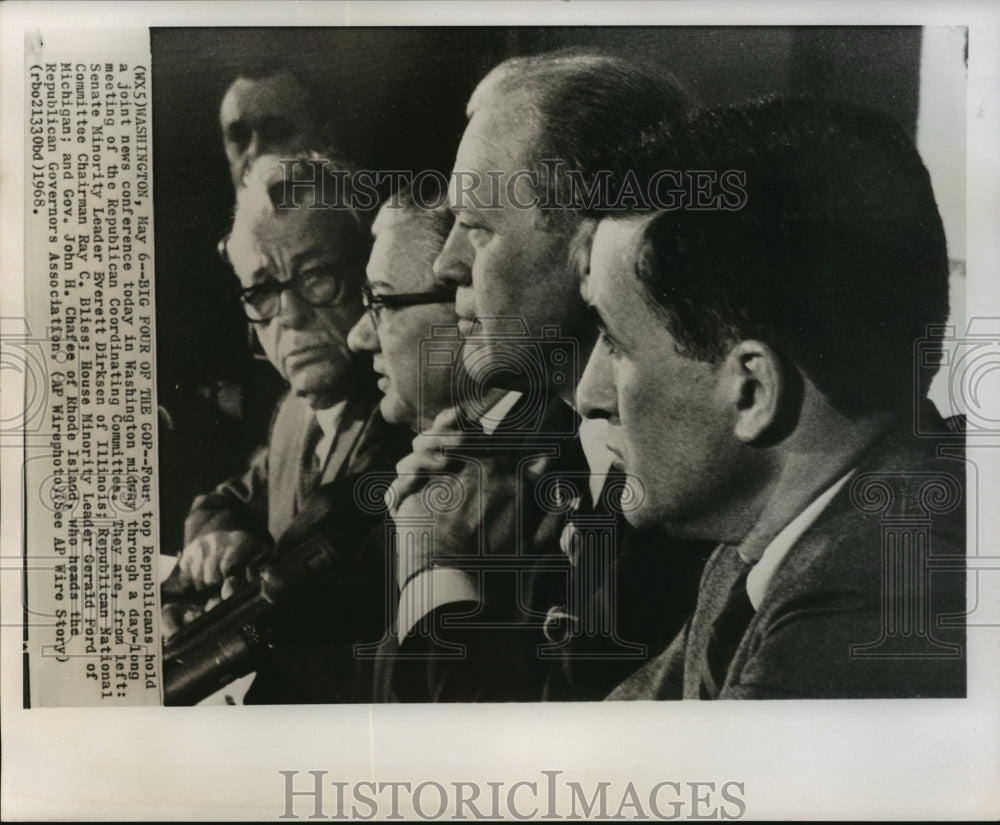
(894, 760)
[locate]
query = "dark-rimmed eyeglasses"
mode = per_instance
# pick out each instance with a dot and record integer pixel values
(319, 286)
(375, 304)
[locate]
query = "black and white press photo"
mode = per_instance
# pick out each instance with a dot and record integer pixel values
(466, 411)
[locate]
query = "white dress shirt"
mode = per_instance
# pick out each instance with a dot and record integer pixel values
(329, 423)
(763, 571)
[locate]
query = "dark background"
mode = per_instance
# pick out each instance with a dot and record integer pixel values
(394, 98)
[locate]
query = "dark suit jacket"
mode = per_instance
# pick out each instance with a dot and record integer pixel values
(313, 659)
(853, 609)
(262, 500)
(312, 655)
(498, 650)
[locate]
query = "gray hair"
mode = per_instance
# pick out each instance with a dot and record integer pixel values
(592, 111)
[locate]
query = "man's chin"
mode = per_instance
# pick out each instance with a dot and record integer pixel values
(320, 391)
(396, 412)
(492, 366)
(641, 517)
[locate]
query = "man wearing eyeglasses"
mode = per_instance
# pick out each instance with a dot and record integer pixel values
(300, 272)
(301, 283)
(404, 305)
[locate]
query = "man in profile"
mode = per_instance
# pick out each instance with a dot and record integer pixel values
(539, 626)
(266, 112)
(327, 654)
(301, 273)
(757, 371)
(405, 305)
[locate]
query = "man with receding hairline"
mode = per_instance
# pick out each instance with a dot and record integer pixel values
(405, 306)
(515, 255)
(757, 371)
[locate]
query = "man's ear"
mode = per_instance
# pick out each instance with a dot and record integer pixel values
(759, 385)
(254, 344)
(579, 248)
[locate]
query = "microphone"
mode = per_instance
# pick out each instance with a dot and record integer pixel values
(233, 638)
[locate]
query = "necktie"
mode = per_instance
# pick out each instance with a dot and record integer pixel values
(727, 632)
(563, 620)
(310, 466)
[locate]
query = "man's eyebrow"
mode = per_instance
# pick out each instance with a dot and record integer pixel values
(473, 213)
(466, 201)
(600, 320)
(466, 204)
(262, 273)
(323, 253)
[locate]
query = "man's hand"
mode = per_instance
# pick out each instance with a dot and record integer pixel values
(212, 560)
(210, 568)
(470, 499)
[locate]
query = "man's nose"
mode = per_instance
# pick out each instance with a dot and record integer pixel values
(248, 153)
(363, 336)
(255, 147)
(453, 265)
(596, 394)
(293, 312)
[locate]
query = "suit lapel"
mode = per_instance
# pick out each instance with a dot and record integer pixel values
(351, 425)
(285, 443)
(365, 443)
(285, 450)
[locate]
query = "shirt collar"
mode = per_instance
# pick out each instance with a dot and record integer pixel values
(493, 417)
(329, 422)
(593, 439)
(763, 571)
